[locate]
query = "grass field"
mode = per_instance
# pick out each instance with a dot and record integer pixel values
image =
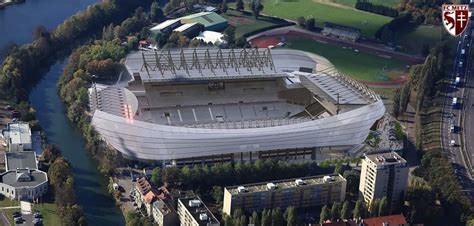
(412, 41)
(244, 23)
(360, 66)
(389, 3)
(292, 9)
(47, 209)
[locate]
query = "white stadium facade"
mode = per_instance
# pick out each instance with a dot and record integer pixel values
(209, 105)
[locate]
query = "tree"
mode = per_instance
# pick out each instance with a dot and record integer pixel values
(239, 5)
(301, 21)
(336, 211)
(255, 220)
(241, 42)
(374, 207)
(218, 194)
(59, 171)
(425, 50)
(310, 24)
(352, 178)
(50, 153)
(224, 6)
(325, 214)
(396, 103)
(277, 217)
(384, 208)
(243, 220)
(171, 175)
(156, 176)
(359, 210)
(229, 36)
(345, 211)
(228, 221)
(290, 216)
(156, 13)
(266, 217)
(108, 32)
(256, 7)
(339, 169)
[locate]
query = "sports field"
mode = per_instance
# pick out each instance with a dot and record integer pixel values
(364, 67)
(292, 9)
(245, 23)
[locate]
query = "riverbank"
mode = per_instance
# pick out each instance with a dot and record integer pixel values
(5, 3)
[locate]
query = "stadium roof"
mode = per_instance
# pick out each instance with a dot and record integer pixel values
(214, 63)
(205, 18)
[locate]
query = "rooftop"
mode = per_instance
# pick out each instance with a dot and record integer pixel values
(143, 186)
(205, 18)
(164, 24)
(392, 220)
(184, 27)
(383, 159)
(199, 211)
(18, 132)
(23, 178)
(162, 207)
(20, 160)
(286, 184)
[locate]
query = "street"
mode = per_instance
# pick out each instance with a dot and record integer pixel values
(457, 118)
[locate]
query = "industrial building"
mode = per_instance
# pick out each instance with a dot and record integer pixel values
(193, 212)
(17, 135)
(383, 175)
(210, 20)
(189, 106)
(166, 26)
(298, 192)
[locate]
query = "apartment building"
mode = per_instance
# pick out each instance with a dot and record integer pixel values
(164, 214)
(298, 192)
(193, 212)
(383, 175)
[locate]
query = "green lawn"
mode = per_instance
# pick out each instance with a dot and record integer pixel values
(244, 23)
(360, 66)
(49, 212)
(5, 202)
(389, 3)
(48, 209)
(292, 9)
(412, 41)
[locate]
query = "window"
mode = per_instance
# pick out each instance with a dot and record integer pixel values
(167, 114)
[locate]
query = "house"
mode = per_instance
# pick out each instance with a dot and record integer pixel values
(17, 136)
(193, 212)
(148, 199)
(396, 220)
(142, 186)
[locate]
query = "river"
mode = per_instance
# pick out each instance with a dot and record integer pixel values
(16, 25)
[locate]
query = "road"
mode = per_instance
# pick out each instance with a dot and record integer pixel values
(456, 124)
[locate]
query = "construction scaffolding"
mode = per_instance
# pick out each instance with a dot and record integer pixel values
(208, 62)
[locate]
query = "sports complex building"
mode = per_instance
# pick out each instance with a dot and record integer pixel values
(189, 106)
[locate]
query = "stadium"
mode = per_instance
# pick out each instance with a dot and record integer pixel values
(189, 106)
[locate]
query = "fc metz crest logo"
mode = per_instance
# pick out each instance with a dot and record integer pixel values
(455, 18)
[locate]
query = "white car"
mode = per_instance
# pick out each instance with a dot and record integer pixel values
(452, 143)
(455, 100)
(271, 47)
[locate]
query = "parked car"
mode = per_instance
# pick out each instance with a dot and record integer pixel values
(16, 214)
(37, 215)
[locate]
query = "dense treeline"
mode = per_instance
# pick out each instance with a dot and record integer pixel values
(100, 59)
(203, 178)
(389, 31)
(424, 11)
(426, 81)
(377, 9)
(274, 217)
(20, 68)
(62, 181)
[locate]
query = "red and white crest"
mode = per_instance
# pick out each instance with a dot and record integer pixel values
(455, 18)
